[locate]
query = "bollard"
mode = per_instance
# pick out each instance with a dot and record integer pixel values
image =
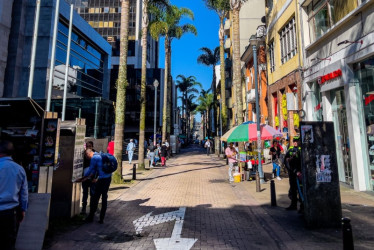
(134, 172)
(347, 234)
(272, 194)
(258, 185)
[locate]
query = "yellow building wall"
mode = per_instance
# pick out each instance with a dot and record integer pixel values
(295, 62)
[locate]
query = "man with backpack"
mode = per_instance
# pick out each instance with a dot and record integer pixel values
(100, 169)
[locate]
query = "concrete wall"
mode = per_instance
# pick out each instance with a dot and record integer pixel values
(249, 19)
(5, 24)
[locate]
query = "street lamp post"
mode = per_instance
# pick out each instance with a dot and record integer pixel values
(254, 42)
(155, 84)
(220, 126)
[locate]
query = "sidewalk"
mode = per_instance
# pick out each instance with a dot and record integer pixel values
(358, 206)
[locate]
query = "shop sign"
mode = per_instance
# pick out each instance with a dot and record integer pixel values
(330, 76)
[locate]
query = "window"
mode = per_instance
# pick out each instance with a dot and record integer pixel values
(288, 41)
(322, 14)
(271, 56)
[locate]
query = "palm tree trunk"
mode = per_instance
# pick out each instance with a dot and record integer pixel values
(170, 106)
(214, 100)
(223, 77)
(236, 68)
(166, 78)
(143, 85)
(121, 91)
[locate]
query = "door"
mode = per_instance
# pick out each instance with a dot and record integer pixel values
(342, 137)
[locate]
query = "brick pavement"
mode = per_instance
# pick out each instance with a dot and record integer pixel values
(218, 215)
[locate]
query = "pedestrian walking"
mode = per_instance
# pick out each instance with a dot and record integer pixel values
(208, 145)
(168, 149)
(87, 186)
(13, 196)
(110, 148)
(102, 181)
(293, 164)
(130, 150)
(157, 153)
(230, 153)
(275, 152)
(151, 154)
(164, 154)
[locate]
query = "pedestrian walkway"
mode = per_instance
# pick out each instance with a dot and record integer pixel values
(190, 203)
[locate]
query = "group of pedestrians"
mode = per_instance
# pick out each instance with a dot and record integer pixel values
(290, 157)
(158, 153)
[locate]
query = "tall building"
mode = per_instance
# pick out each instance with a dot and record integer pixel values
(89, 66)
(105, 17)
(250, 16)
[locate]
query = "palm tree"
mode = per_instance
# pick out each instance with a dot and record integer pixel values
(121, 90)
(162, 4)
(205, 104)
(235, 7)
(222, 8)
(186, 85)
(211, 58)
(166, 24)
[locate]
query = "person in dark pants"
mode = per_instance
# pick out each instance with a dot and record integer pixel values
(102, 185)
(13, 196)
(208, 145)
(87, 185)
(293, 164)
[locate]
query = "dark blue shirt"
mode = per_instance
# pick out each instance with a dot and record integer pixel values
(96, 167)
(13, 185)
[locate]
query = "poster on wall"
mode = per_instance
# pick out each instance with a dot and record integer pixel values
(307, 134)
(50, 142)
(323, 168)
(78, 152)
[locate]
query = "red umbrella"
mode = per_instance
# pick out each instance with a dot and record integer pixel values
(267, 132)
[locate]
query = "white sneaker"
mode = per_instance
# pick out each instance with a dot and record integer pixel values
(278, 178)
(272, 176)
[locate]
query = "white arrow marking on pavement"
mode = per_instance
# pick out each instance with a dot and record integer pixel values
(175, 242)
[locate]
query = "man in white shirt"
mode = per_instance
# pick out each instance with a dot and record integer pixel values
(130, 150)
(208, 145)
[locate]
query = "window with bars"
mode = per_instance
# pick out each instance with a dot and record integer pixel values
(288, 41)
(271, 56)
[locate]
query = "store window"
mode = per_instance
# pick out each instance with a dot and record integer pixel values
(364, 72)
(322, 14)
(316, 97)
(288, 41)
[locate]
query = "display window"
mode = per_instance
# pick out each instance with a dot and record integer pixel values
(364, 72)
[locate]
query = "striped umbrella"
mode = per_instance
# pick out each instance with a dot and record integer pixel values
(238, 133)
(247, 131)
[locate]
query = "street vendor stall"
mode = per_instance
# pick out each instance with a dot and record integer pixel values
(247, 132)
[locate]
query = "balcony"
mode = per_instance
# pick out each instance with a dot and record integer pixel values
(227, 44)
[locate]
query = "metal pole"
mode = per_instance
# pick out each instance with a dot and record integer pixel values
(67, 63)
(96, 117)
(154, 123)
(33, 50)
(258, 120)
(53, 56)
(220, 126)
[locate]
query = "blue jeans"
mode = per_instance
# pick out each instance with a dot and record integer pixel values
(276, 168)
(130, 154)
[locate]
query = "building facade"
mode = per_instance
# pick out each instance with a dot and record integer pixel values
(338, 82)
(284, 65)
(250, 16)
(89, 66)
(105, 17)
(5, 24)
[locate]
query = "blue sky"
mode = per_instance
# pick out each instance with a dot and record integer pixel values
(186, 50)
